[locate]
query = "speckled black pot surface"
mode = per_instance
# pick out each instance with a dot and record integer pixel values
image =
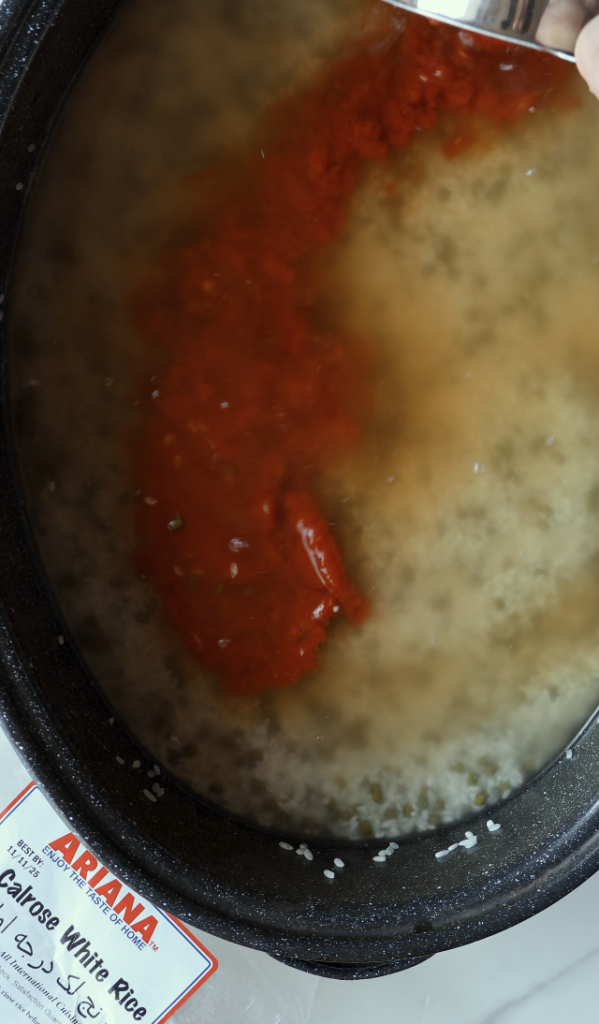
(216, 872)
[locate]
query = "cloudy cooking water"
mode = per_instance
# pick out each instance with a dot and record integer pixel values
(469, 512)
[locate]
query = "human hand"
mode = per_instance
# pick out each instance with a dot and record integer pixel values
(572, 25)
(563, 21)
(587, 54)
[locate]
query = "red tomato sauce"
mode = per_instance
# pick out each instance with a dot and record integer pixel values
(258, 397)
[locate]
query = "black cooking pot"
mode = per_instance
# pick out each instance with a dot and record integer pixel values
(212, 870)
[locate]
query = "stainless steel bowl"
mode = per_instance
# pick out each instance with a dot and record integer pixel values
(550, 25)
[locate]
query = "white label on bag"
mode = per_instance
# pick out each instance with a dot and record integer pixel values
(76, 945)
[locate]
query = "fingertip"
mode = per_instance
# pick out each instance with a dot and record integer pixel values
(586, 53)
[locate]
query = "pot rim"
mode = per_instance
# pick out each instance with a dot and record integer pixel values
(189, 856)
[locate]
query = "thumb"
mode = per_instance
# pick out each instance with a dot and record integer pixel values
(587, 54)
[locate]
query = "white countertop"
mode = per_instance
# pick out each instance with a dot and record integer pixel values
(545, 971)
